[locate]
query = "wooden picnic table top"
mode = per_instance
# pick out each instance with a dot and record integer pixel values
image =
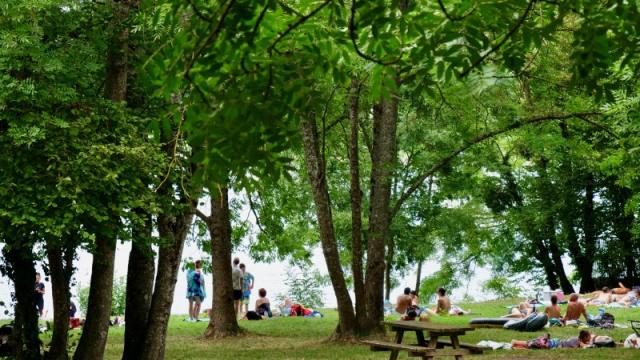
(428, 326)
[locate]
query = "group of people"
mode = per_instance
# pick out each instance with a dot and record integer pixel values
(408, 304)
(242, 283)
(621, 296)
(575, 310)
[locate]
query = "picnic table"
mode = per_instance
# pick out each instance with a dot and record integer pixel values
(427, 347)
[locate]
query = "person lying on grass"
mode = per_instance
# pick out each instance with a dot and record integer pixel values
(602, 298)
(521, 311)
(546, 342)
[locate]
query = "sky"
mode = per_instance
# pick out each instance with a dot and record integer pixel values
(270, 276)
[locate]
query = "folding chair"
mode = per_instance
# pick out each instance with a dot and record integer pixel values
(635, 325)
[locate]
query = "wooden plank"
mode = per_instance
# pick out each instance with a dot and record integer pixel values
(440, 352)
(473, 348)
(388, 346)
(427, 326)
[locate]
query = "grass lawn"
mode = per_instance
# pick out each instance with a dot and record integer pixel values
(300, 338)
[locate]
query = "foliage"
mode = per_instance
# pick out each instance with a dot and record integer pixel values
(118, 298)
(502, 287)
(305, 288)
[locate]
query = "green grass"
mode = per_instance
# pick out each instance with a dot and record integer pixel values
(300, 338)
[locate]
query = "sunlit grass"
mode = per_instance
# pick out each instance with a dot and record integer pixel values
(306, 338)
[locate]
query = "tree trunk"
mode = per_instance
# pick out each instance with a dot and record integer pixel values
(623, 227)
(418, 277)
(94, 335)
(22, 272)
(223, 321)
(140, 272)
(589, 235)
(356, 202)
(317, 178)
(542, 255)
(61, 270)
(383, 160)
(556, 257)
(173, 230)
(389, 268)
(96, 327)
(548, 197)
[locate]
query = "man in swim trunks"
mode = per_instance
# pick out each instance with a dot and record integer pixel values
(404, 301)
(236, 279)
(553, 310)
(575, 309)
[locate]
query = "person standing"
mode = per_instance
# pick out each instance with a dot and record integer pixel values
(39, 294)
(247, 286)
(236, 279)
(195, 291)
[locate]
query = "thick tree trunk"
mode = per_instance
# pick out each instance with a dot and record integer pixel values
(22, 272)
(223, 321)
(318, 180)
(623, 227)
(61, 269)
(94, 335)
(357, 255)
(383, 160)
(589, 235)
(548, 197)
(140, 272)
(542, 255)
(173, 230)
(96, 327)
(556, 257)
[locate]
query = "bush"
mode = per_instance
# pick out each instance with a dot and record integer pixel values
(118, 297)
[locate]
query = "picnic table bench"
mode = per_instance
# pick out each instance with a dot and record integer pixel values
(427, 347)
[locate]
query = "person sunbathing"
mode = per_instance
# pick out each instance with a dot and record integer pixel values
(621, 290)
(629, 299)
(575, 309)
(553, 310)
(404, 301)
(583, 340)
(603, 298)
(521, 311)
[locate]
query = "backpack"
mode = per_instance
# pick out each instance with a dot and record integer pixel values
(606, 321)
(604, 341)
(252, 315)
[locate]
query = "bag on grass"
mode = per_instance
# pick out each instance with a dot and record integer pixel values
(252, 315)
(604, 341)
(541, 342)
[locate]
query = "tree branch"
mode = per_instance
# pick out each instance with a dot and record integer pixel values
(298, 22)
(255, 213)
(201, 215)
(453, 18)
(210, 38)
(199, 13)
(417, 182)
(288, 9)
(512, 31)
(352, 34)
